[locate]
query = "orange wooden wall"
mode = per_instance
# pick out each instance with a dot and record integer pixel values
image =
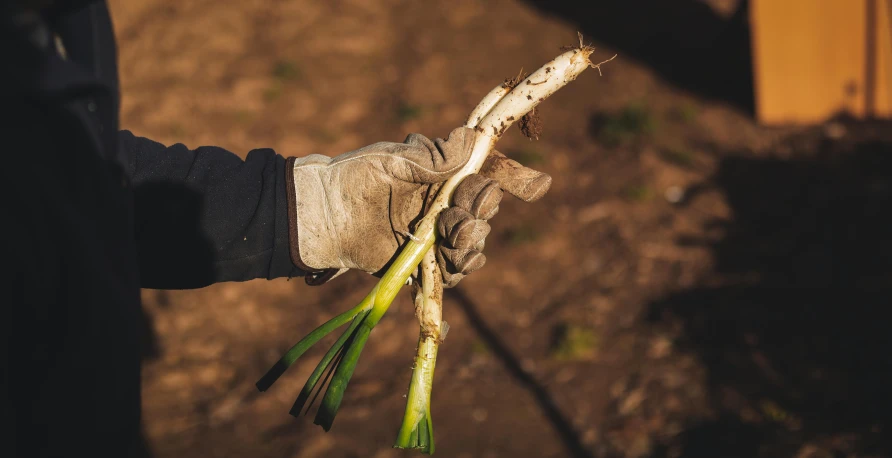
(815, 58)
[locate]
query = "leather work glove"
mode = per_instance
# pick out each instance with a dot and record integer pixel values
(355, 210)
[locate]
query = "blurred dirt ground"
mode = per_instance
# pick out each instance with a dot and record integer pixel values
(693, 285)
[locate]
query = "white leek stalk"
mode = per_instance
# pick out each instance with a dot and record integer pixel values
(494, 114)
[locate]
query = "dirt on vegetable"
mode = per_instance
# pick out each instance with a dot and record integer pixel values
(531, 124)
(511, 83)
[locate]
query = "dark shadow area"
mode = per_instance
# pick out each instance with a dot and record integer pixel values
(562, 426)
(796, 339)
(171, 246)
(737, 439)
(151, 350)
(685, 42)
(173, 249)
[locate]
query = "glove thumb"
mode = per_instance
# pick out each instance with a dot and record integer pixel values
(420, 160)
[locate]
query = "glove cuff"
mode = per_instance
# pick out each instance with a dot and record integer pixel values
(314, 276)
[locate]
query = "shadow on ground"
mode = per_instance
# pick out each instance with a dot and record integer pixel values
(544, 400)
(686, 42)
(795, 331)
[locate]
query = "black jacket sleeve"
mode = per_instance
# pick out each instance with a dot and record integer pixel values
(205, 215)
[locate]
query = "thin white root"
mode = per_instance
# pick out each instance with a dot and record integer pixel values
(598, 65)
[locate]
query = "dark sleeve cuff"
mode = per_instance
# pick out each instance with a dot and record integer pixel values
(285, 261)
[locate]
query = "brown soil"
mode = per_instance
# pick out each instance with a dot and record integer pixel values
(531, 125)
(513, 82)
(693, 284)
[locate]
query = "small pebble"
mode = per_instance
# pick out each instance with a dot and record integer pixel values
(674, 194)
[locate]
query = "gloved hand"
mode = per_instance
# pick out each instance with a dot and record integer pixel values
(355, 210)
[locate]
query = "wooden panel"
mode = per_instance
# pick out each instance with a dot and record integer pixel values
(813, 59)
(883, 96)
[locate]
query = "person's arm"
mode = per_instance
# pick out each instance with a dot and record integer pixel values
(205, 215)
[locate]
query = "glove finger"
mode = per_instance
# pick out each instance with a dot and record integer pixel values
(420, 160)
(450, 279)
(461, 261)
(522, 182)
(460, 230)
(479, 195)
(450, 218)
(469, 236)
